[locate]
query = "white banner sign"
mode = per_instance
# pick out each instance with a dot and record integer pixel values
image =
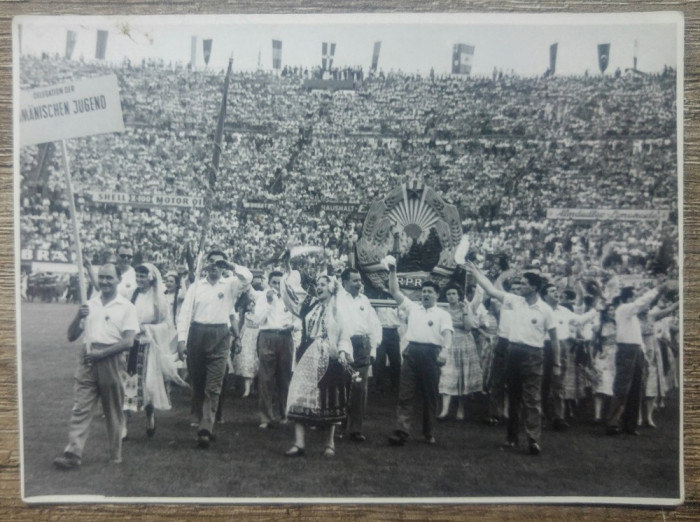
(610, 214)
(71, 110)
(145, 200)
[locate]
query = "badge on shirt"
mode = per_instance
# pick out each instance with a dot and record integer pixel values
(106, 318)
(285, 310)
(534, 321)
(221, 295)
(362, 308)
(430, 323)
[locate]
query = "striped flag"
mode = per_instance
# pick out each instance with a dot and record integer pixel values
(71, 37)
(327, 52)
(462, 56)
(101, 49)
(375, 56)
(206, 45)
(277, 54)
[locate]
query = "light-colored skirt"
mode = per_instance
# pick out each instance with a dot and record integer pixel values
(245, 362)
(462, 373)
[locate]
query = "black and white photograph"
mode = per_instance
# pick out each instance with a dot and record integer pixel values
(350, 258)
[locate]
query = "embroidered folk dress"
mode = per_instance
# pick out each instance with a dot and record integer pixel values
(319, 392)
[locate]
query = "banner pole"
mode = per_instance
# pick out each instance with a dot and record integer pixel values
(74, 222)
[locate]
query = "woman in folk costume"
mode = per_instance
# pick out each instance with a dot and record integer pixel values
(152, 363)
(245, 362)
(605, 348)
(319, 392)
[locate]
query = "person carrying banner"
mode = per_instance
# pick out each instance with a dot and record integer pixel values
(204, 333)
(110, 325)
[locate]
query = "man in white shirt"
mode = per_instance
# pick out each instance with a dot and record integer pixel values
(553, 404)
(629, 361)
(204, 330)
(362, 325)
(428, 333)
(275, 351)
(110, 325)
(127, 284)
(532, 323)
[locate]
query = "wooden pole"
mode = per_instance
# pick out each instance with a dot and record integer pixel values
(74, 222)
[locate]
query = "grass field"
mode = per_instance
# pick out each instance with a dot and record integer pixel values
(247, 462)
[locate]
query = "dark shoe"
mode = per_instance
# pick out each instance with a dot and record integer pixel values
(204, 439)
(357, 437)
(398, 438)
(430, 440)
(150, 423)
(560, 425)
(534, 448)
(612, 430)
(295, 451)
(443, 418)
(67, 462)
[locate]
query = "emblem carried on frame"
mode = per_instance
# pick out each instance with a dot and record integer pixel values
(419, 228)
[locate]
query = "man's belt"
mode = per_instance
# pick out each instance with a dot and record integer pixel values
(280, 331)
(207, 325)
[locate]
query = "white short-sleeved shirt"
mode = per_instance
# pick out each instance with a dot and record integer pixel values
(530, 324)
(127, 283)
(426, 325)
(105, 324)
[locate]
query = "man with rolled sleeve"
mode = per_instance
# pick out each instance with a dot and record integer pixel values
(204, 331)
(429, 332)
(110, 325)
(629, 361)
(532, 323)
(275, 352)
(361, 323)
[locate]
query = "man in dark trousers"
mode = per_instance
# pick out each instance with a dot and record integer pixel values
(629, 360)
(205, 329)
(532, 324)
(429, 332)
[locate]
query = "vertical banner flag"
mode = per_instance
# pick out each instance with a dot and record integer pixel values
(375, 55)
(101, 49)
(552, 58)
(277, 54)
(462, 55)
(634, 59)
(71, 37)
(328, 51)
(207, 50)
(603, 56)
(193, 52)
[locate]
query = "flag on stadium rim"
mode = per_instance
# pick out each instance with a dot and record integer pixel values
(206, 44)
(327, 57)
(603, 56)
(101, 49)
(193, 52)
(277, 54)
(375, 56)
(462, 55)
(552, 58)
(71, 38)
(634, 59)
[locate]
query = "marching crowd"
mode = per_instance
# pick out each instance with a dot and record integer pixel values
(305, 338)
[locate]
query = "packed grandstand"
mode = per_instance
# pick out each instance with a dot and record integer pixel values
(504, 149)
